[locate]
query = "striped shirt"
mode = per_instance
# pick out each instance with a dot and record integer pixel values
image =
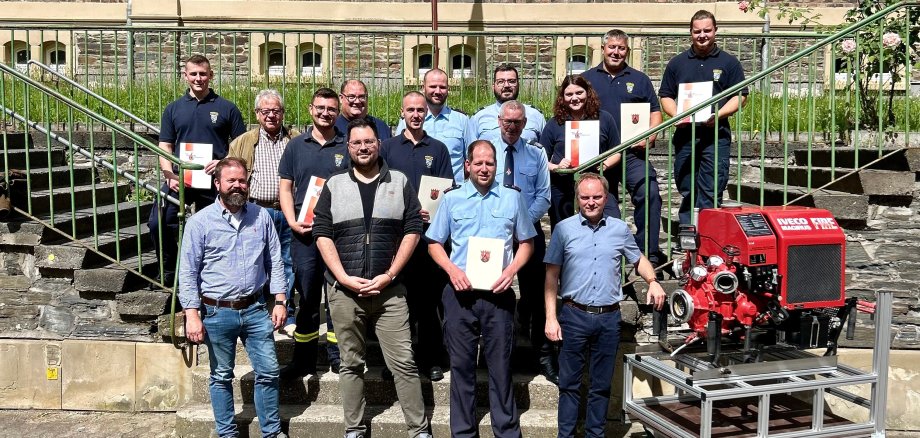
(263, 184)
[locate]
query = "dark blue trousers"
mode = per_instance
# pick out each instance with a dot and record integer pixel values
(308, 281)
(583, 332)
(469, 317)
(645, 197)
(531, 307)
(702, 180)
(422, 278)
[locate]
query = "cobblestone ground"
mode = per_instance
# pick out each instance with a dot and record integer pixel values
(66, 424)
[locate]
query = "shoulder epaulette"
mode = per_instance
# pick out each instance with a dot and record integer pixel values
(534, 143)
(455, 186)
(512, 187)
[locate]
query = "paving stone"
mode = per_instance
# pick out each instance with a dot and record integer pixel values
(30, 374)
(98, 376)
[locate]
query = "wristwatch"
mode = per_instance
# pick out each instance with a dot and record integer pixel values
(281, 303)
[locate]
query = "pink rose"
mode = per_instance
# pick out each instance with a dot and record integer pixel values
(891, 40)
(743, 5)
(848, 46)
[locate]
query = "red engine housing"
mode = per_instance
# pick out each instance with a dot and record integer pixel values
(753, 264)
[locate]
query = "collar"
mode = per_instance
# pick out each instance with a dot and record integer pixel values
(469, 189)
(382, 175)
(209, 98)
(421, 142)
(585, 222)
(225, 212)
(339, 138)
(518, 146)
(445, 113)
(712, 53)
(625, 71)
(281, 134)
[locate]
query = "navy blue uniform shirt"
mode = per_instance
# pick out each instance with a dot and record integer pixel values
(304, 157)
(383, 130)
(427, 157)
(628, 86)
(719, 66)
(213, 120)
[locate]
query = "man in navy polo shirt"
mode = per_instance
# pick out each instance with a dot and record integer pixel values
(319, 152)
(586, 249)
(617, 83)
(703, 62)
(415, 153)
(199, 116)
(353, 99)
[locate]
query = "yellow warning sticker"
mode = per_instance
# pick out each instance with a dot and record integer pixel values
(50, 257)
(52, 373)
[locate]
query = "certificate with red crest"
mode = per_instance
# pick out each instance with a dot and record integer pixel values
(582, 140)
(431, 191)
(634, 119)
(310, 198)
(485, 259)
(691, 94)
(198, 153)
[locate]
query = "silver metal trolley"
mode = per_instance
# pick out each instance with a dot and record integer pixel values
(754, 399)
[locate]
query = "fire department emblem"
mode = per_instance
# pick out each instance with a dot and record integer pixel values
(716, 74)
(435, 193)
(629, 87)
(485, 255)
(428, 161)
(338, 160)
(635, 119)
(213, 117)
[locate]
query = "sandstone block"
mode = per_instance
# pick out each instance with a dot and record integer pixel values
(98, 375)
(30, 374)
(163, 378)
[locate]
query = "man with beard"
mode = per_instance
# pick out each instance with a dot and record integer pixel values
(199, 116)
(367, 225)
(319, 152)
(415, 153)
(229, 251)
(443, 122)
(704, 61)
(481, 207)
(484, 124)
(353, 99)
(617, 83)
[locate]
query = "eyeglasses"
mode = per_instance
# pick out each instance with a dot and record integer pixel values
(509, 123)
(365, 142)
(506, 81)
(270, 112)
(323, 109)
(355, 97)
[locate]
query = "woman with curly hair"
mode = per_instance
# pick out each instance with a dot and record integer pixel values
(576, 100)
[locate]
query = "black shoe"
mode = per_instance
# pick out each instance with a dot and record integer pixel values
(296, 370)
(386, 374)
(435, 374)
(334, 366)
(304, 361)
(548, 370)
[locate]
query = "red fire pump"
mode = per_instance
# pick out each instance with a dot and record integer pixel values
(761, 276)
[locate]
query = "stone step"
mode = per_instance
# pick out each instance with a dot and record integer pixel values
(320, 420)
(60, 177)
(906, 160)
(37, 158)
(113, 278)
(64, 199)
(881, 184)
(72, 255)
(128, 212)
(850, 210)
(530, 390)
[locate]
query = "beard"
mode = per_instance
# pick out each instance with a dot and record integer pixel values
(235, 199)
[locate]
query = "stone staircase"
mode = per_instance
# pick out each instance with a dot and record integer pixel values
(92, 297)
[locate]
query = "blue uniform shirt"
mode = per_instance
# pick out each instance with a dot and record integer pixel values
(485, 123)
(450, 127)
(531, 173)
(213, 120)
(427, 157)
(628, 86)
(465, 213)
(304, 157)
(383, 130)
(590, 258)
(719, 66)
(222, 262)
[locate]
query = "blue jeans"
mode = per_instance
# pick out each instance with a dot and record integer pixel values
(705, 186)
(284, 236)
(253, 326)
(582, 332)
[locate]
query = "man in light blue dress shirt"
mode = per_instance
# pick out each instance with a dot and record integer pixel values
(229, 248)
(443, 122)
(505, 86)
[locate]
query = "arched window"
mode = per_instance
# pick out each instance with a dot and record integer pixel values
(462, 60)
(22, 56)
(276, 62)
(311, 59)
(578, 59)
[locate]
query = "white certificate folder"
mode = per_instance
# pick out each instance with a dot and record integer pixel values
(582, 140)
(485, 260)
(634, 119)
(310, 198)
(691, 94)
(431, 191)
(198, 153)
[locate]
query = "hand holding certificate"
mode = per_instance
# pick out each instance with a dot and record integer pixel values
(485, 259)
(582, 140)
(309, 200)
(692, 94)
(431, 191)
(198, 153)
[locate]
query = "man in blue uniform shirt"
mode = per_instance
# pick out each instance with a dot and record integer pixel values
(617, 83)
(353, 99)
(415, 153)
(703, 62)
(443, 122)
(200, 116)
(586, 249)
(233, 236)
(481, 207)
(506, 86)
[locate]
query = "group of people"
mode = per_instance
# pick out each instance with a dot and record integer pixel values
(388, 267)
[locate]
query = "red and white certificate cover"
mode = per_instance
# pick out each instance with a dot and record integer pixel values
(309, 200)
(690, 94)
(582, 140)
(198, 153)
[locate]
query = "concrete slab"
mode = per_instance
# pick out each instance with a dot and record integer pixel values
(98, 375)
(163, 379)
(30, 374)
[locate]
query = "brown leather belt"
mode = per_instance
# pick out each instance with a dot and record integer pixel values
(235, 305)
(595, 310)
(266, 204)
